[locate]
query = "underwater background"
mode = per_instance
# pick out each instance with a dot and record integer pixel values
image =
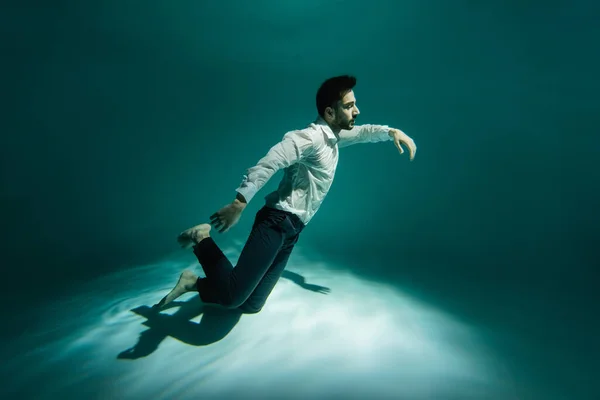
(469, 273)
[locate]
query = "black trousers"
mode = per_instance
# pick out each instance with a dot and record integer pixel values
(260, 265)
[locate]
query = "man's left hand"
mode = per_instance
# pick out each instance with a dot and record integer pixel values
(401, 138)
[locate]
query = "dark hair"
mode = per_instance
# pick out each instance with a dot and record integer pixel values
(332, 91)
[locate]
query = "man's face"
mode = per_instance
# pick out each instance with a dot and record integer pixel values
(346, 112)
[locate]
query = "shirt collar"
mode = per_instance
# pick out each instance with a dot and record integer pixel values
(320, 122)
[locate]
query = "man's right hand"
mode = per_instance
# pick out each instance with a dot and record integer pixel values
(227, 216)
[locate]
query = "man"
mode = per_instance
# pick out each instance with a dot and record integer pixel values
(309, 159)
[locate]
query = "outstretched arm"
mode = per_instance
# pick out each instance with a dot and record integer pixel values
(377, 133)
(364, 134)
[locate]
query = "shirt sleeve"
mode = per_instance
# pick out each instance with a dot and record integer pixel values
(364, 134)
(294, 147)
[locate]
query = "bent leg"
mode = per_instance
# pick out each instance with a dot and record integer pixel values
(229, 286)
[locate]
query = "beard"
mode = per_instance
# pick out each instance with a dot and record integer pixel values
(347, 125)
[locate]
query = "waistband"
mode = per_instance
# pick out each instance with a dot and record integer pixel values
(296, 221)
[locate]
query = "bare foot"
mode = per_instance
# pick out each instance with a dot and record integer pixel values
(186, 283)
(194, 235)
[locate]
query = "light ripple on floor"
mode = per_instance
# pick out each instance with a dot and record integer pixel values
(363, 339)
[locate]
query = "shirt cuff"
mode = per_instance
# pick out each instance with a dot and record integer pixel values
(385, 133)
(248, 190)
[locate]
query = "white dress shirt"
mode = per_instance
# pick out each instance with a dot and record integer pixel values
(309, 158)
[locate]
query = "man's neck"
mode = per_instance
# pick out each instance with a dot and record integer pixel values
(336, 130)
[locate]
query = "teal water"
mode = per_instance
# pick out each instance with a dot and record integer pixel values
(125, 123)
